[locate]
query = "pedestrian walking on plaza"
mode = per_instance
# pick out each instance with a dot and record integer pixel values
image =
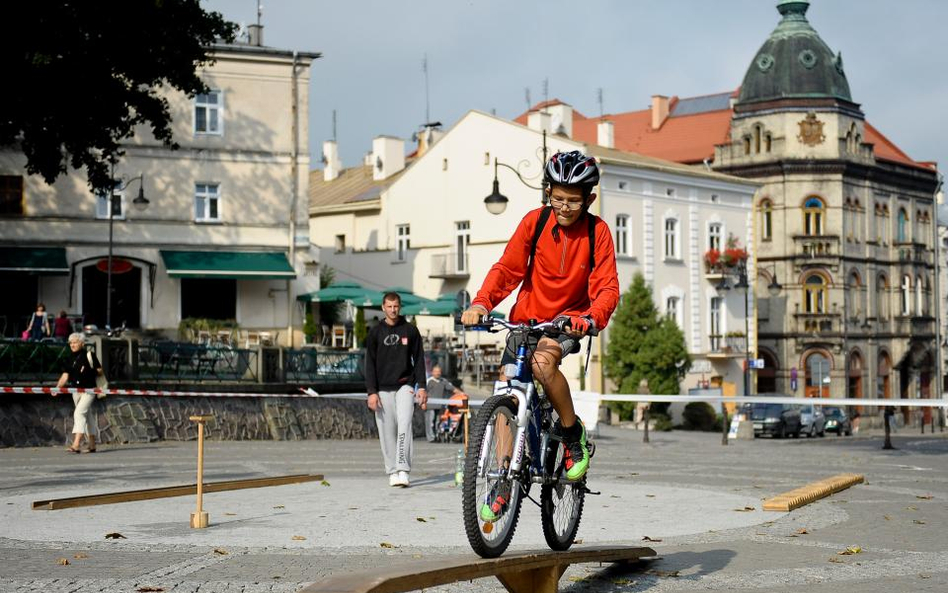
(62, 327)
(38, 327)
(394, 375)
(80, 370)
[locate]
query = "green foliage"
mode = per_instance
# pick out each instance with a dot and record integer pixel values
(360, 330)
(662, 423)
(310, 328)
(643, 345)
(329, 313)
(124, 56)
(700, 416)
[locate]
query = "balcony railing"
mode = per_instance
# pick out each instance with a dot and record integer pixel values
(726, 346)
(818, 248)
(913, 253)
(450, 265)
(915, 326)
(816, 323)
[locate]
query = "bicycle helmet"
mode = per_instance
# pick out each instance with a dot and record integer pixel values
(572, 168)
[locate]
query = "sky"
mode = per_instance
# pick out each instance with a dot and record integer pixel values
(483, 54)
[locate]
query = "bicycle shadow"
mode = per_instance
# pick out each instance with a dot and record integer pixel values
(649, 573)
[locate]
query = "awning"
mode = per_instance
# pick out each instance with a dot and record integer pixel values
(239, 265)
(47, 261)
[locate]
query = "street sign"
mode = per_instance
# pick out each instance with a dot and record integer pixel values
(757, 363)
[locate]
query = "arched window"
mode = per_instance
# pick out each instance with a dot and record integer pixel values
(813, 210)
(854, 296)
(768, 142)
(757, 139)
(882, 298)
(815, 294)
(919, 297)
(928, 297)
(817, 375)
(766, 220)
(901, 231)
(747, 145)
(905, 295)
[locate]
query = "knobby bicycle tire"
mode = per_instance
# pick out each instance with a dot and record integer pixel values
(470, 498)
(560, 538)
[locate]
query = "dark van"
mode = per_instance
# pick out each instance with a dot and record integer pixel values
(777, 420)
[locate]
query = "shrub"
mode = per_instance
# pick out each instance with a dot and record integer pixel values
(700, 416)
(663, 423)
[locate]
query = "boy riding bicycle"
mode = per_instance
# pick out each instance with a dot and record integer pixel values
(567, 266)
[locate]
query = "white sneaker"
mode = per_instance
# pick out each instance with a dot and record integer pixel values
(403, 479)
(393, 480)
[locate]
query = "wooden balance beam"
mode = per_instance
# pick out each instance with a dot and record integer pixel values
(526, 572)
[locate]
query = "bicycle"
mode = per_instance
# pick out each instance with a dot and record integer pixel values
(520, 416)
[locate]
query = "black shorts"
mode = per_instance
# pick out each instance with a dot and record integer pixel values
(568, 343)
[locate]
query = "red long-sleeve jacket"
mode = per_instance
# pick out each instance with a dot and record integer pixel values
(560, 283)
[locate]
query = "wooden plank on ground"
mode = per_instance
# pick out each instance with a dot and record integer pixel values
(538, 564)
(169, 491)
(811, 492)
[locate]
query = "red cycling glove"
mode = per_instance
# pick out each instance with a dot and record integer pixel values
(580, 324)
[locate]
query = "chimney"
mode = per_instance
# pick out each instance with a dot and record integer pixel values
(561, 119)
(659, 111)
(332, 166)
(427, 137)
(606, 134)
(539, 121)
(255, 35)
(388, 156)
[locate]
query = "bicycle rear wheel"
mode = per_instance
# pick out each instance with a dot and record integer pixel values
(491, 443)
(561, 503)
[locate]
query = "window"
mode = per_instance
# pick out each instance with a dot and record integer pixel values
(671, 309)
(747, 145)
(853, 297)
(11, 194)
(714, 323)
(340, 243)
(462, 240)
(815, 294)
(766, 220)
(757, 135)
(403, 242)
(882, 303)
(919, 297)
(901, 231)
(927, 310)
(813, 216)
(714, 235)
(671, 238)
(118, 205)
(905, 295)
(207, 202)
(884, 224)
(768, 142)
(208, 112)
(208, 298)
(622, 234)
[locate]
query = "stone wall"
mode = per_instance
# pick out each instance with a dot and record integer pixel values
(31, 420)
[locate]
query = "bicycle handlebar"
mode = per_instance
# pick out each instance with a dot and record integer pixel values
(558, 325)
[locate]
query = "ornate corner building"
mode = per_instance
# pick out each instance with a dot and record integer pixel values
(844, 221)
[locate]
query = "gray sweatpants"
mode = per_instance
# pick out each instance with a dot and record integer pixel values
(395, 431)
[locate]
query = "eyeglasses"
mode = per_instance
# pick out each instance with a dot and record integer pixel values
(560, 204)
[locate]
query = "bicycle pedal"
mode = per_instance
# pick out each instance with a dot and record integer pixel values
(586, 490)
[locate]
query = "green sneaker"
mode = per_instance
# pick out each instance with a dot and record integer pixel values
(576, 457)
(496, 504)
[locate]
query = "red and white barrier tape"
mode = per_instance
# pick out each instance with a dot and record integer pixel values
(149, 392)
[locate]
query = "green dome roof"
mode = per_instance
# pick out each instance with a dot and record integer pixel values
(794, 63)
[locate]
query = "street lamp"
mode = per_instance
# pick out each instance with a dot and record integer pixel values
(740, 270)
(140, 203)
(496, 202)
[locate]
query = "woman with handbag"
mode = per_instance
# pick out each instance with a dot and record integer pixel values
(81, 369)
(38, 328)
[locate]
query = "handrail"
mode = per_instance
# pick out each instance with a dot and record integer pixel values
(535, 571)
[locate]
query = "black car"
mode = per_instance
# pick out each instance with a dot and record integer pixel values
(777, 420)
(837, 420)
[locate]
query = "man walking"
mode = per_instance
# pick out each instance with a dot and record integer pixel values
(394, 371)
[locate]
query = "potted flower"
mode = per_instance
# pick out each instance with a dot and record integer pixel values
(712, 261)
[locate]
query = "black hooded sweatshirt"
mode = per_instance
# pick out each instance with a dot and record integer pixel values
(394, 356)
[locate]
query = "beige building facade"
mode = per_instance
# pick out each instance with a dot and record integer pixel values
(225, 233)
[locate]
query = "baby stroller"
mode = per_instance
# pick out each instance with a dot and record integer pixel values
(450, 427)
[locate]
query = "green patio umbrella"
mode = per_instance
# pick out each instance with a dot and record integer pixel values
(341, 292)
(408, 297)
(446, 305)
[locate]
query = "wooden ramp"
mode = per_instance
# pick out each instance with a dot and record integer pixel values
(525, 572)
(811, 492)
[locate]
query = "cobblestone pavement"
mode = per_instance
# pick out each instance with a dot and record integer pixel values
(684, 489)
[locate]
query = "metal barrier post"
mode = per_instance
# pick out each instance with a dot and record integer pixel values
(199, 518)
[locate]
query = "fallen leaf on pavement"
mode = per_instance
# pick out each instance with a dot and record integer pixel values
(886, 517)
(622, 582)
(62, 562)
(80, 556)
(911, 508)
(917, 522)
(802, 531)
(421, 519)
(416, 555)
(388, 545)
(835, 559)
(850, 551)
(325, 483)
(578, 579)
(924, 576)
(279, 506)
(649, 539)
(745, 510)
(298, 538)
(230, 514)
(220, 551)
(926, 497)
(649, 496)
(147, 589)
(662, 573)
(115, 535)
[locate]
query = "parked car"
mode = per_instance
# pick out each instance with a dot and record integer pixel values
(837, 420)
(777, 420)
(813, 420)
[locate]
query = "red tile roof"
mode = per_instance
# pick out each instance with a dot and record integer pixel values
(688, 138)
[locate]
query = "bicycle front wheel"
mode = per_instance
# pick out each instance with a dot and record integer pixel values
(561, 502)
(486, 477)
